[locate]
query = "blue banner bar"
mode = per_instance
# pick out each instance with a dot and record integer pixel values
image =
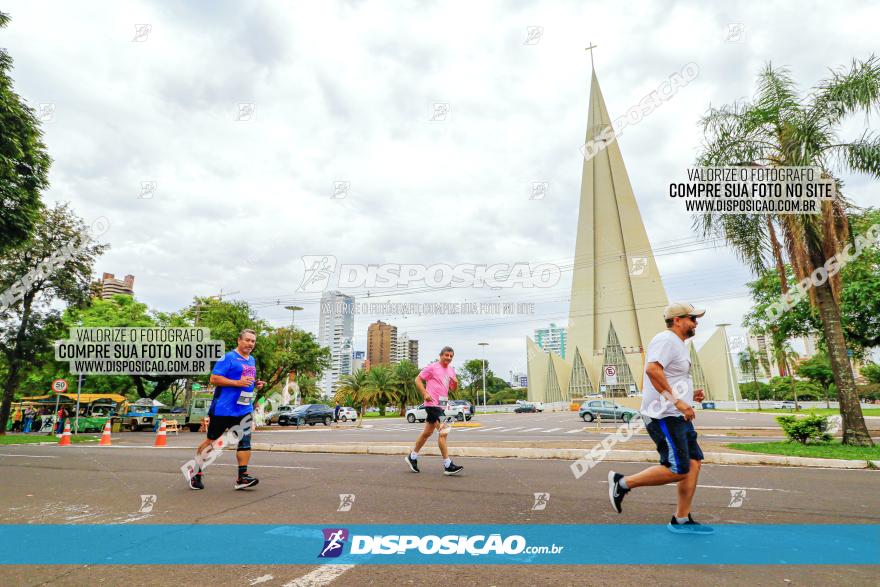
(480, 544)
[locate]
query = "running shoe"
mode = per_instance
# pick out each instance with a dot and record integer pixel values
(452, 469)
(689, 527)
(195, 482)
(616, 493)
(245, 481)
(413, 463)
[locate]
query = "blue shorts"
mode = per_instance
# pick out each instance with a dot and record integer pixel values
(676, 442)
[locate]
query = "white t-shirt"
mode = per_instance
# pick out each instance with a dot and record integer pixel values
(672, 354)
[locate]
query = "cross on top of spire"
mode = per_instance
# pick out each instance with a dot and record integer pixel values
(590, 49)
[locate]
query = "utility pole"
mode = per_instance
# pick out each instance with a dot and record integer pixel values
(484, 345)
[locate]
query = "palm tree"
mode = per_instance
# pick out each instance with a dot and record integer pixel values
(787, 357)
(405, 373)
(778, 129)
(354, 387)
(747, 361)
(308, 388)
(380, 386)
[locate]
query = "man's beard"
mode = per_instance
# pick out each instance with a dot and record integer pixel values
(691, 332)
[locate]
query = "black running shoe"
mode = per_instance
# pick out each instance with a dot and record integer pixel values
(689, 527)
(413, 463)
(195, 482)
(452, 469)
(245, 481)
(616, 493)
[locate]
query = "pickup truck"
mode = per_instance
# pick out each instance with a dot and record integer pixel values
(144, 416)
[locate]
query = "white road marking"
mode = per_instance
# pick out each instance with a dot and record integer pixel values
(488, 429)
(532, 429)
(732, 487)
(321, 576)
(29, 456)
(262, 579)
(553, 430)
(575, 430)
(512, 429)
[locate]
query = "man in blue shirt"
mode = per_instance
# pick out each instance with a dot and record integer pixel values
(234, 377)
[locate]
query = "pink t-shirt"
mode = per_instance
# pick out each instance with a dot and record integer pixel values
(437, 381)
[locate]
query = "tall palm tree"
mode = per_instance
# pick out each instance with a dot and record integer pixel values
(354, 387)
(748, 361)
(308, 388)
(779, 129)
(405, 373)
(380, 386)
(788, 357)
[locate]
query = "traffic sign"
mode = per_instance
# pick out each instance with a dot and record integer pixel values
(59, 386)
(196, 387)
(611, 374)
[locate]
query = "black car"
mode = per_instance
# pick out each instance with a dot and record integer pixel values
(461, 402)
(310, 414)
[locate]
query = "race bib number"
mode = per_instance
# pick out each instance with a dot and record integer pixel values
(246, 398)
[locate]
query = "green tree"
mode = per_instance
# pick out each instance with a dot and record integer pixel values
(380, 387)
(778, 128)
(308, 388)
(29, 322)
(818, 369)
(354, 388)
(405, 373)
(24, 161)
(871, 372)
(749, 361)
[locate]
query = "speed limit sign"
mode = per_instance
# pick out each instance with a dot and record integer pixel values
(59, 386)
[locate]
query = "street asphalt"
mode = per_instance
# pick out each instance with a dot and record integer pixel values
(82, 484)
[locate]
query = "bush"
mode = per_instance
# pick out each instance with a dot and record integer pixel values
(811, 427)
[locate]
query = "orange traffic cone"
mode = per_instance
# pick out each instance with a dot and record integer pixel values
(160, 435)
(105, 437)
(65, 437)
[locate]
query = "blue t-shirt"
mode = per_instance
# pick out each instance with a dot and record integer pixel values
(233, 401)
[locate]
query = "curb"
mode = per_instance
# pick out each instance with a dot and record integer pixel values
(568, 454)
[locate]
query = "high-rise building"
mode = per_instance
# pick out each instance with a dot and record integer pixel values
(406, 349)
(551, 339)
(381, 343)
(765, 365)
(357, 360)
(108, 286)
(617, 296)
(335, 331)
(413, 352)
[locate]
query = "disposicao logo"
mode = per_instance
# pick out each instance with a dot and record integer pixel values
(334, 540)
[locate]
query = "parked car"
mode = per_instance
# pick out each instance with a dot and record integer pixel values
(785, 405)
(595, 396)
(469, 407)
(525, 408)
(310, 414)
(419, 413)
(346, 413)
(273, 416)
(607, 409)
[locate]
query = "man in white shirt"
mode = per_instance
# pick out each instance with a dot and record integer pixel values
(668, 392)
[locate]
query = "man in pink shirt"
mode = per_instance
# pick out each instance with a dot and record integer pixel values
(439, 379)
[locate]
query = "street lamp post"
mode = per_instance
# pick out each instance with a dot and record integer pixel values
(293, 311)
(484, 345)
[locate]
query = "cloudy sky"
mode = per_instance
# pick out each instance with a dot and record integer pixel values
(223, 141)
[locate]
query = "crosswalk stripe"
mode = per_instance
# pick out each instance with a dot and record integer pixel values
(553, 430)
(573, 431)
(495, 428)
(532, 429)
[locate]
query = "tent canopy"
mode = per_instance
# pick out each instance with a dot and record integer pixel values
(84, 398)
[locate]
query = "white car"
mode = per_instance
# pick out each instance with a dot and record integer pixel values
(539, 406)
(419, 413)
(346, 413)
(785, 405)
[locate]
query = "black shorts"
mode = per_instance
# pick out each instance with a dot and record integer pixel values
(676, 442)
(435, 414)
(220, 424)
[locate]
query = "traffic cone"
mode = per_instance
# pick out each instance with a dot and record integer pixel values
(160, 435)
(105, 437)
(65, 437)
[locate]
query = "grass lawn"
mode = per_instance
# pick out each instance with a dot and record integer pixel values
(376, 415)
(823, 450)
(34, 438)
